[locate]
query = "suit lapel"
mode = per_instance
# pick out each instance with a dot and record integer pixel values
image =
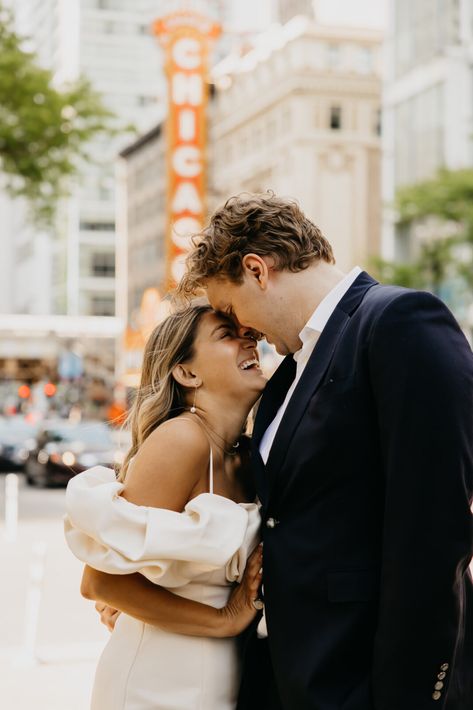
(273, 397)
(306, 388)
(313, 374)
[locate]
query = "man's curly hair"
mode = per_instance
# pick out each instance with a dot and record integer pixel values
(248, 223)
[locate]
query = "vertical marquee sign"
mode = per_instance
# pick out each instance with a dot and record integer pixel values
(186, 38)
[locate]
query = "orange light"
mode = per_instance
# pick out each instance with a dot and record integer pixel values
(24, 392)
(49, 389)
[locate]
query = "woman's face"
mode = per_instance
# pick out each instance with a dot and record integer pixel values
(227, 364)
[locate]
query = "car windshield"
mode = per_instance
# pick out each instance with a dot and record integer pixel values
(88, 434)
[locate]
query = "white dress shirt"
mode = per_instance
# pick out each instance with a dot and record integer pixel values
(309, 336)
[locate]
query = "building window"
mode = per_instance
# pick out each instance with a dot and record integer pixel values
(145, 100)
(335, 118)
(103, 264)
(366, 60)
(102, 306)
(378, 122)
(333, 54)
(97, 226)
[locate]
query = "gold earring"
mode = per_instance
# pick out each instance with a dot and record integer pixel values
(193, 409)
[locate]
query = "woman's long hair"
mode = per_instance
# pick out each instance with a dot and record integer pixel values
(159, 396)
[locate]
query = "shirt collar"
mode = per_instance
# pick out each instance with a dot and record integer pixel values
(324, 310)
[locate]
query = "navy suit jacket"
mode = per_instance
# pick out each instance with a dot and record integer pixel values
(367, 526)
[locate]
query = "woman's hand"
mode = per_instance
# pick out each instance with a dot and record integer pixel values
(108, 615)
(240, 611)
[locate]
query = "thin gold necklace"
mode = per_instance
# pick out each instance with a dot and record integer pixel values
(222, 448)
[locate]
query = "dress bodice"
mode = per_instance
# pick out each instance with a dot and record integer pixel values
(208, 543)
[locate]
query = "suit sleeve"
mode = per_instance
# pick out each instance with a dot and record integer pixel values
(421, 369)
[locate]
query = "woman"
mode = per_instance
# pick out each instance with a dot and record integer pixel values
(174, 533)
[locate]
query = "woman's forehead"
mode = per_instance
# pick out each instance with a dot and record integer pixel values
(213, 320)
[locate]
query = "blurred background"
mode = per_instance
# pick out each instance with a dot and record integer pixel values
(123, 124)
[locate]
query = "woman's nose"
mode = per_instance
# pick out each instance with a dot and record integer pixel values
(249, 342)
(247, 333)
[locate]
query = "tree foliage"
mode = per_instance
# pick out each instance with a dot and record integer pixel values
(44, 130)
(445, 203)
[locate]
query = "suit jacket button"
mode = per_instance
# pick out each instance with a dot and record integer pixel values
(441, 676)
(271, 523)
(444, 667)
(438, 686)
(436, 695)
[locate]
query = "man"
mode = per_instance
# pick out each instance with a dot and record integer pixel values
(363, 456)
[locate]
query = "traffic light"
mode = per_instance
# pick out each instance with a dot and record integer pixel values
(50, 389)
(24, 392)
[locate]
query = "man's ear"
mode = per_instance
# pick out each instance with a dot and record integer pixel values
(256, 267)
(185, 377)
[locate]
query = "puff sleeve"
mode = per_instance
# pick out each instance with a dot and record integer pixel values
(111, 534)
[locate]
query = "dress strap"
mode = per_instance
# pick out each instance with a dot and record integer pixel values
(211, 458)
(211, 472)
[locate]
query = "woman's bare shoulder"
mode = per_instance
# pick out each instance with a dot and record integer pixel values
(169, 465)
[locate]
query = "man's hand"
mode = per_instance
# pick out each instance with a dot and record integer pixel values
(108, 615)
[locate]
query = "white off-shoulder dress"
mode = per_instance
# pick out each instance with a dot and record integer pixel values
(196, 554)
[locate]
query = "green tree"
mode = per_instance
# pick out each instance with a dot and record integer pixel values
(44, 131)
(446, 203)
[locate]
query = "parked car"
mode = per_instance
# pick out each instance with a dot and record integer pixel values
(17, 437)
(64, 449)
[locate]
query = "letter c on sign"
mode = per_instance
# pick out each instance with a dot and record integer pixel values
(186, 161)
(186, 53)
(183, 229)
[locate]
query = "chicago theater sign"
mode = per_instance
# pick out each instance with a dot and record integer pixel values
(186, 38)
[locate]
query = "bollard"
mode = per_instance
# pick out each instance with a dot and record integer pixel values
(27, 656)
(11, 507)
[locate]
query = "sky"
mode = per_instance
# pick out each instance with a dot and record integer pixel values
(360, 13)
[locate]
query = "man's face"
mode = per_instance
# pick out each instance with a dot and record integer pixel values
(252, 308)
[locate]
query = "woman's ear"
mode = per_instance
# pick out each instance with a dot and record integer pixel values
(185, 377)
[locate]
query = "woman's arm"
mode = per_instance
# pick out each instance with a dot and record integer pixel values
(169, 469)
(138, 597)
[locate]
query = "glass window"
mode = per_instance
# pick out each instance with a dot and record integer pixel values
(419, 135)
(335, 118)
(333, 56)
(378, 117)
(366, 60)
(102, 306)
(103, 264)
(422, 30)
(97, 226)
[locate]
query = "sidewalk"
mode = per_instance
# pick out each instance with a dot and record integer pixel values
(56, 671)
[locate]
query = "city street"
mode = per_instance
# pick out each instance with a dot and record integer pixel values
(50, 636)
(304, 168)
